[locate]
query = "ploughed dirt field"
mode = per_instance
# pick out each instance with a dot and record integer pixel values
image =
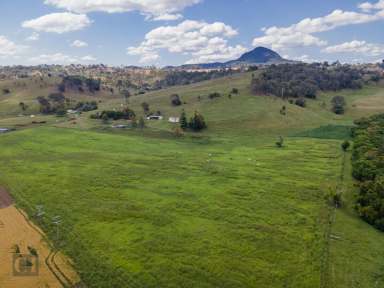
(20, 242)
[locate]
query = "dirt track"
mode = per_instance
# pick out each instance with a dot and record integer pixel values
(15, 229)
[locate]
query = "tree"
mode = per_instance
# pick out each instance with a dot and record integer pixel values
(338, 105)
(280, 142)
(197, 122)
(141, 123)
(104, 118)
(335, 198)
(23, 106)
(126, 94)
(175, 100)
(214, 95)
(345, 145)
(301, 102)
(145, 106)
(183, 120)
(45, 106)
(134, 123)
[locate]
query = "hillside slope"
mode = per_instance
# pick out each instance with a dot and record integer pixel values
(221, 208)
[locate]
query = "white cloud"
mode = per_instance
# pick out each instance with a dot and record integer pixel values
(33, 37)
(202, 41)
(303, 58)
(58, 22)
(88, 58)
(279, 40)
(357, 47)
(147, 55)
(9, 48)
(368, 6)
(60, 58)
(155, 9)
(301, 33)
(167, 17)
(79, 44)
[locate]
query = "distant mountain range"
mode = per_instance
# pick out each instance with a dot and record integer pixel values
(257, 56)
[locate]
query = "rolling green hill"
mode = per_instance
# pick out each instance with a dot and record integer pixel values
(221, 208)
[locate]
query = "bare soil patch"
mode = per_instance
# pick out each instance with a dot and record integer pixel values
(5, 199)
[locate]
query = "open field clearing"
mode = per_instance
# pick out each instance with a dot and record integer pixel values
(17, 231)
(174, 213)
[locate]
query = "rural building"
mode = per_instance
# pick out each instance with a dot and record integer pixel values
(4, 130)
(174, 119)
(155, 117)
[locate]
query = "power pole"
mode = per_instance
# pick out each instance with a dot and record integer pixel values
(57, 221)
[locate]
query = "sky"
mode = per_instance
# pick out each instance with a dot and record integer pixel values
(175, 32)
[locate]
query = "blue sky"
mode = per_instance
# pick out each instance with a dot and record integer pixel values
(172, 32)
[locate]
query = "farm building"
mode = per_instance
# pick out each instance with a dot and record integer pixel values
(4, 130)
(155, 117)
(174, 120)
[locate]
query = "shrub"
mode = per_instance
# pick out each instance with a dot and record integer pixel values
(145, 107)
(197, 122)
(141, 123)
(86, 106)
(345, 145)
(338, 105)
(175, 100)
(183, 121)
(280, 142)
(23, 106)
(126, 114)
(301, 102)
(335, 199)
(214, 95)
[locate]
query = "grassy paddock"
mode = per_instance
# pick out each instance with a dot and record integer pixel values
(178, 213)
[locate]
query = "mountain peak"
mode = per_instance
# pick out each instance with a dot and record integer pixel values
(260, 55)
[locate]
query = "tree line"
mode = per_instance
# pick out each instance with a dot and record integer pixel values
(57, 103)
(80, 84)
(175, 78)
(368, 168)
(306, 80)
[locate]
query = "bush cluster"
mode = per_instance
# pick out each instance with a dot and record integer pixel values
(368, 168)
(86, 106)
(79, 83)
(196, 123)
(184, 77)
(126, 114)
(305, 80)
(54, 103)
